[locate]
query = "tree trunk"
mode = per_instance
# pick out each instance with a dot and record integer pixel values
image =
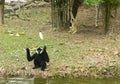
(76, 4)
(2, 12)
(107, 17)
(60, 13)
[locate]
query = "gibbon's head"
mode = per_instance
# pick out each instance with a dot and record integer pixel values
(38, 50)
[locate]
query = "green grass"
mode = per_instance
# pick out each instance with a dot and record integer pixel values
(82, 54)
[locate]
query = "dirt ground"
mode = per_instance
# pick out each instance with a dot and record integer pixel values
(86, 21)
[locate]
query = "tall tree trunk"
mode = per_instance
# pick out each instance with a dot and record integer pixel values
(76, 4)
(107, 16)
(2, 12)
(61, 9)
(60, 13)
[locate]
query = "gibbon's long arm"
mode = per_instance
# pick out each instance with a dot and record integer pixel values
(29, 58)
(45, 54)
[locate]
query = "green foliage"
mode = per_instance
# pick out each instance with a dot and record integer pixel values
(95, 2)
(113, 3)
(92, 2)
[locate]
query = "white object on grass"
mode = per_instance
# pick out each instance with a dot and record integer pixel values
(41, 35)
(17, 34)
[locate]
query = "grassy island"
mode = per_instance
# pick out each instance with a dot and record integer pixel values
(84, 54)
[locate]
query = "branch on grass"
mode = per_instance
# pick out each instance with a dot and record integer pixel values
(13, 9)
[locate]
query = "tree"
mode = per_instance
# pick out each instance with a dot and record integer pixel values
(2, 11)
(61, 12)
(64, 12)
(107, 6)
(75, 6)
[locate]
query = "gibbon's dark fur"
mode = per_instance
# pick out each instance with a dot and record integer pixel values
(40, 58)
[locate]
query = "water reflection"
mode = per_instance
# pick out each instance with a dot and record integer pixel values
(20, 80)
(16, 80)
(78, 81)
(2, 80)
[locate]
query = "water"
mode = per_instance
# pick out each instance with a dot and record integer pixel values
(16, 80)
(78, 81)
(19, 80)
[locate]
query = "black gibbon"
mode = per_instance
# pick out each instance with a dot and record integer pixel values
(40, 58)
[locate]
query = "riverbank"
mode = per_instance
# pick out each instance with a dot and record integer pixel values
(85, 54)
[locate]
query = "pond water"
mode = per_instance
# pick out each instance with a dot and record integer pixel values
(19, 80)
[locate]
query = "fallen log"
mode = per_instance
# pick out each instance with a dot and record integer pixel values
(18, 6)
